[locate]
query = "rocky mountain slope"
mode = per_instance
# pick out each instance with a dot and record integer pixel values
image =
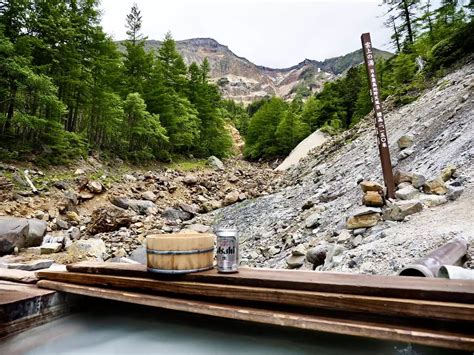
(321, 193)
(241, 80)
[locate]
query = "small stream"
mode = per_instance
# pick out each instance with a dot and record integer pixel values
(117, 328)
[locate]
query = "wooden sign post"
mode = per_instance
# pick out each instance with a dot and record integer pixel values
(382, 139)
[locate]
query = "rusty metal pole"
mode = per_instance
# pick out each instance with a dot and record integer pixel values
(382, 140)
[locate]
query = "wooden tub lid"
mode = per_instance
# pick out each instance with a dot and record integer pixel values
(180, 241)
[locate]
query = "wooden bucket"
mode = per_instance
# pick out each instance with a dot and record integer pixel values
(180, 253)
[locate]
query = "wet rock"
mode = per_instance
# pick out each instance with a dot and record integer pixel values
(31, 265)
(397, 211)
(405, 141)
(88, 247)
(36, 232)
(50, 248)
(295, 261)
(317, 255)
(363, 221)
(215, 163)
(313, 220)
(407, 193)
(105, 219)
(231, 198)
(13, 234)
(149, 196)
(173, 214)
(372, 199)
(371, 186)
(436, 186)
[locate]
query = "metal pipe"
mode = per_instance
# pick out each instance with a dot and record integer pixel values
(455, 273)
(450, 253)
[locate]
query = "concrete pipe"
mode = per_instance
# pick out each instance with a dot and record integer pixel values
(450, 253)
(455, 273)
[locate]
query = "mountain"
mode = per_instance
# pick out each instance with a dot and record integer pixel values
(241, 80)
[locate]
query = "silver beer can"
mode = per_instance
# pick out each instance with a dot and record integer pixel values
(227, 253)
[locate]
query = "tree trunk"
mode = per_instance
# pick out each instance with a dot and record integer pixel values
(406, 11)
(11, 108)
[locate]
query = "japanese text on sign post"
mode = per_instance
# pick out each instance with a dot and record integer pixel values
(382, 139)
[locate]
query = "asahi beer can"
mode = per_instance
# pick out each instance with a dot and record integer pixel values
(227, 253)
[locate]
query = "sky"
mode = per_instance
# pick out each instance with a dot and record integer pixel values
(273, 33)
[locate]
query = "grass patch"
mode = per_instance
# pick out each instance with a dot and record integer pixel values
(188, 165)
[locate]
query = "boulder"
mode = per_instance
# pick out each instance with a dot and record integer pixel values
(313, 220)
(36, 232)
(298, 250)
(418, 180)
(295, 261)
(231, 197)
(317, 255)
(372, 199)
(50, 248)
(433, 200)
(173, 214)
(363, 221)
(143, 207)
(397, 211)
(405, 141)
(436, 186)
(13, 234)
(215, 163)
(108, 219)
(448, 172)
(407, 193)
(88, 247)
(95, 186)
(149, 196)
(402, 176)
(371, 186)
(121, 202)
(454, 192)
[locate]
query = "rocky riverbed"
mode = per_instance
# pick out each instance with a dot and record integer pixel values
(325, 213)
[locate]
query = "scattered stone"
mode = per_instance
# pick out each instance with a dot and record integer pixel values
(31, 265)
(317, 255)
(407, 193)
(436, 186)
(50, 248)
(356, 241)
(13, 233)
(367, 210)
(95, 187)
(359, 231)
(418, 180)
(211, 205)
(129, 178)
(231, 198)
(198, 227)
(363, 221)
(295, 261)
(149, 196)
(372, 199)
(313, 220)
(88, 247)
(190, 180)
(121, 202)
(405, 153)
(405, 141)
(215, 163)
(454, 192)
(61, 223)
(73, 217)
(371, 186)
(86, 195)
(433, 200)
(142, 207)
(299, 250)
(448, 172)
(108, 219)
(173, 214)
(79, 172)
(22, 276)
(307, 205)
(402, 176)
(400, 209)
(193, 209)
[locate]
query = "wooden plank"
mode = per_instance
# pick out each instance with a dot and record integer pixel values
(287, 319)
(459, 291)
(317, 300)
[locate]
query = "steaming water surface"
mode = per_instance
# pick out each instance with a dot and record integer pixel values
(116, 328)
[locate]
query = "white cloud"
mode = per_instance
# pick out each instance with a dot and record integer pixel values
(274, 33)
